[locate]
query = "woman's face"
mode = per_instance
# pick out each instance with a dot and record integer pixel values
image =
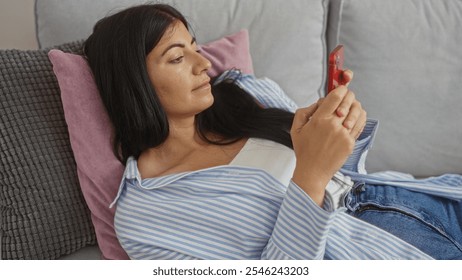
(178, 73)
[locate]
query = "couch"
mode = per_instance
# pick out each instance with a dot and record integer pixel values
(404, 53)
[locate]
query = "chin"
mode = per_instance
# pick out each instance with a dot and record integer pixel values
(203, 101)
(210, 101)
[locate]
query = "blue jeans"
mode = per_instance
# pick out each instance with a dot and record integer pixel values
(432, 224)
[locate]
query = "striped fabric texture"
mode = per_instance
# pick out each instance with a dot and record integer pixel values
(244, 212)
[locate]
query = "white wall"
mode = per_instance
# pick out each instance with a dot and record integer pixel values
(17, 25)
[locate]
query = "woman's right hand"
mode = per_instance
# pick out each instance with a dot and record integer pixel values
(323, 137)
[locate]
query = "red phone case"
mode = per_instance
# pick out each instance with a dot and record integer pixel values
(335, 72)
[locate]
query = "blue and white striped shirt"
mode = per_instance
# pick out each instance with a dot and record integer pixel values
(252, 210)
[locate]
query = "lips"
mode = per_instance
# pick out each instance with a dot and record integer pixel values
(203, 85)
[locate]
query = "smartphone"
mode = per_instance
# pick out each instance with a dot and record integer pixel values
(335, 69)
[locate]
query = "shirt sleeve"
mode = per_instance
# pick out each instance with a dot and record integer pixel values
(303, 230)
(357, 160)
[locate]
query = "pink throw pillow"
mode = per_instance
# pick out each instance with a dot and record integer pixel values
(229, 52)
(90, 129)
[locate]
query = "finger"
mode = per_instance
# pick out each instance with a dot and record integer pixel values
(347, 76)
(302, 116)
(332, 100)
(359, 126)
(344, 107)
(353, 116)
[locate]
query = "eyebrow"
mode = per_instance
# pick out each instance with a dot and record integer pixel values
(177, 45)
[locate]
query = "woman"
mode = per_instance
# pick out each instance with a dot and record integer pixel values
(224, 169)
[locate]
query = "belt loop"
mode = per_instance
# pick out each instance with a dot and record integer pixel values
(350, 199)
(358, 187)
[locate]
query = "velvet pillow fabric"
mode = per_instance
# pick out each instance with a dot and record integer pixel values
(229, 52)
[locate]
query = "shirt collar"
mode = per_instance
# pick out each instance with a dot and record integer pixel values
(131, 170)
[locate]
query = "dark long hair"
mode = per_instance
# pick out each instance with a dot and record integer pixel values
(116, 52)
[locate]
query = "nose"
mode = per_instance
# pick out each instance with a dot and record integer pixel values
(202, 64)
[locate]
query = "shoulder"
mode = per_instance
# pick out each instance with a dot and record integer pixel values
(246, 80)
(265, 90)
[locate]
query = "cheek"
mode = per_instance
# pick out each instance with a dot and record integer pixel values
(162, 77)
(173, 92)
(168, 84)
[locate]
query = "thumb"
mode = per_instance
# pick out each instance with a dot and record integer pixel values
(302, 116)
(347, 76)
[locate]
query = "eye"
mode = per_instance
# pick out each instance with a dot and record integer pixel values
(177, 60)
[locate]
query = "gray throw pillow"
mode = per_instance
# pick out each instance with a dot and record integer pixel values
(43, 213)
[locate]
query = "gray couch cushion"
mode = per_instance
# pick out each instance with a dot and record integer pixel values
(286, 37)
(408, 64)
(43, 213)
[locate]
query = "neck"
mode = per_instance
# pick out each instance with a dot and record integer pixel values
(183, 138)
(184, 134)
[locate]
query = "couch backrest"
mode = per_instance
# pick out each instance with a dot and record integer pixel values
(405, 55)
(284, 35)
(408, 66)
